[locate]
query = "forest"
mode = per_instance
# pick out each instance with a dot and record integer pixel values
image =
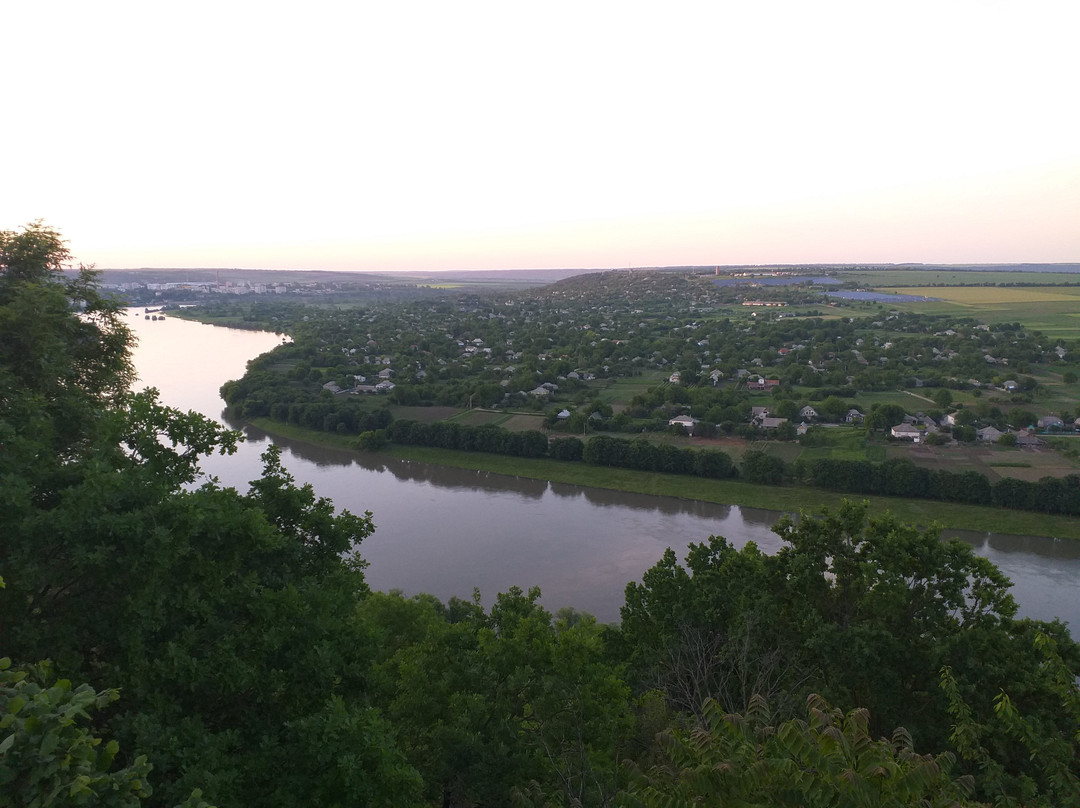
(170, 644)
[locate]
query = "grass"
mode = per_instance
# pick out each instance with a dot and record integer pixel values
(789, 499)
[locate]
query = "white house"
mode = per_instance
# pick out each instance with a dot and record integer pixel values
(907, 432)
(685, 421)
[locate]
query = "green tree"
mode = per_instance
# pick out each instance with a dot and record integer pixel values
(943, 397)
(1055, 780)
(828, 758)
(709, 630)
(504, 705)
(226, 619)
(759, 467)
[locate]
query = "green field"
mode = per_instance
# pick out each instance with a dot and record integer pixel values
(892, 278)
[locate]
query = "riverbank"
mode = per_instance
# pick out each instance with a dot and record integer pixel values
(726, 492)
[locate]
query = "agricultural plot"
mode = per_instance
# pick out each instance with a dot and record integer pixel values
(890, 278)
(980, 296)
(481, 418)
(425, 415)
(1052, 310)
(994, 462)
(620, 391)
(520, 422)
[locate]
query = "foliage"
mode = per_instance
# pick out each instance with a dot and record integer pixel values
(711, 630)
(644, 455)
(759, 467)
(504, 705)
(826, 759)
(1055, 780)
(48, 756)
(226, 619)
(863, 610)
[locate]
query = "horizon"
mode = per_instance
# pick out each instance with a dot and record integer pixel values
(973, 266)
(493, 138)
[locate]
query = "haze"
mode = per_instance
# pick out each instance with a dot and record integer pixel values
(481, 135)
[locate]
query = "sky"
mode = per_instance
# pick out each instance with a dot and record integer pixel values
(392, 136)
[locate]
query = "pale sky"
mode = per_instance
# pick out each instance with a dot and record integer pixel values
(479, 135)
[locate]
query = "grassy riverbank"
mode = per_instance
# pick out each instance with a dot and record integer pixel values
(728, 492)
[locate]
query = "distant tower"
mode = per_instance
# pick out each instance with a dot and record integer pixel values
(717, 273)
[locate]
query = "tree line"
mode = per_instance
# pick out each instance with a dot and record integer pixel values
(902, 478)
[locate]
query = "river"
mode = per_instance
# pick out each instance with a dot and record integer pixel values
(446, 531)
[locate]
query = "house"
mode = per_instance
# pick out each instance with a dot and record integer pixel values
(675, 377)
(685, 421)
(757, 414)
(853, 417)
(988, 434)
(949, 419)
(1010, 385)
(772, 423)
(1048, 422)
(801, 429)
(907, 432)
(808, 413)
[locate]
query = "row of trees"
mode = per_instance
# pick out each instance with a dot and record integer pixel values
(642, 455)
(602, 450)
(483, 438)
(901, 478)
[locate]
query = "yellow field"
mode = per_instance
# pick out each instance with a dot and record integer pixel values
(989, 295)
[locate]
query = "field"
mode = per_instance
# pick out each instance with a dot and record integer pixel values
(981, 296)
(1053, 311)
(893, 278)
(619, 391)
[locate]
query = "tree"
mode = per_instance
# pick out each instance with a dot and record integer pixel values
(57, 370)
(226, 619)
(503, 705)
(1055, 780)
(709, 630)
(828, 758)
(882, 606)
(883, 417)
(759, 467)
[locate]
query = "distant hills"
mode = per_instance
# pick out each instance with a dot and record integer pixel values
(512, 276)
